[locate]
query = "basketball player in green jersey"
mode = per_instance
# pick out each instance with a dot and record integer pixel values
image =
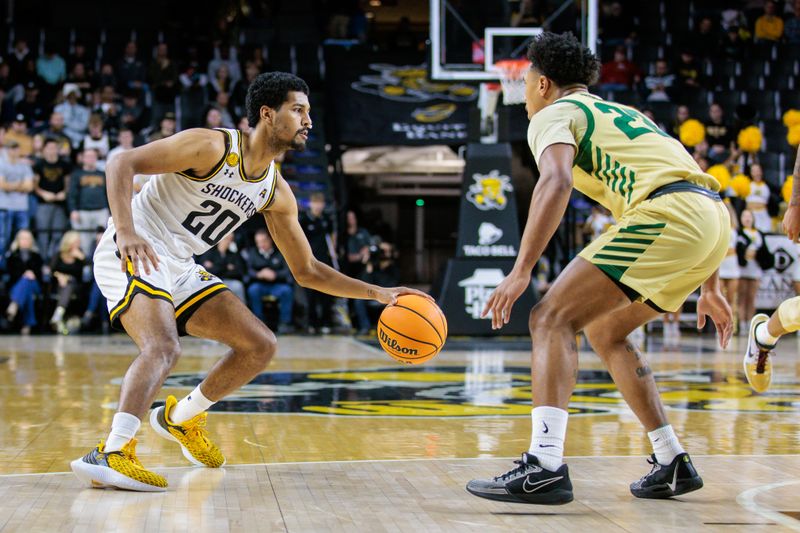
(672, 233)
(766, 330)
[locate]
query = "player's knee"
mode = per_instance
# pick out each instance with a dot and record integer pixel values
(546, 315)
(261, 347)
(164, 352)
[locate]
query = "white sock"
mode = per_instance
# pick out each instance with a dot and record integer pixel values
(58, 314)
(549, 427)
(191, 406)
(665, 444)
(763, 337)
(123, 428)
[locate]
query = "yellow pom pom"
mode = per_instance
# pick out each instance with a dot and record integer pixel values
(741, 185)
(721, 174)
(791, 118)
(692, 132)
(750, 139)
(786, 190)
(793, 136)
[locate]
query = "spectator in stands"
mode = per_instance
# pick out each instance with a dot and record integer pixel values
(747, 246)
(269, 276)
(719, 134)
(50, 185)
(729, 270)
(80, 54)
(358, 255)
(320, 231)
(163, 79)
(167, 128)
(213, 118)
(29, 74)
(240, 88)
(225, 55)
(80, 78)
(125, 139)
(681, 116)
(731, 47)
(223, 106)
(24, 267)
(16, 183)
(107, 75)
(791, 30)
(688, 80)
(660, 83)
(194, 92)
(97, 139)
(221, 82)
(382, 269)
(769, 26)
(18, 57)
(616, 26)
(597, 223)
(19, 132)
(225, 262)
(55, 131)
(87, 201)
(97, 303)
(132, 112)
(51, 68)
(619, 74)
(130, 71)
(758, 199)
(32, 108)
(706, 40)
(67, 269)
(244, 127)
(76, 115)
(530, 14)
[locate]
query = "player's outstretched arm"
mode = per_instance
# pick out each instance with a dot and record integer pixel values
(791, 219)
(549, 201)
(307, 270)
(196, 149)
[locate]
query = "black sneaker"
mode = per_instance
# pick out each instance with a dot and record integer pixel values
(666, 481)
(527, 483)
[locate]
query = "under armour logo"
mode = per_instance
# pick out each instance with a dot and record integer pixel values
(228, 172)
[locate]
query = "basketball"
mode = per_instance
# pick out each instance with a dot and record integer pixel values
(412, 331)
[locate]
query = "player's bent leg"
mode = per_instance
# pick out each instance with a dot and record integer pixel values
(580, 295)
(151, 324)
(226, 319)
(673, 473)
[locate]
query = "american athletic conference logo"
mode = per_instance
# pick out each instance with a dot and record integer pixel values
(489, 191)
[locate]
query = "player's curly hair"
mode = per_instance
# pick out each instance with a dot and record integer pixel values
(563, 59)
(270, 89)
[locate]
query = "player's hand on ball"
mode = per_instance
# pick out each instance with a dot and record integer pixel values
(791, 223)
(502, 299)
(134, 248)
(388, 295)
(714, 304)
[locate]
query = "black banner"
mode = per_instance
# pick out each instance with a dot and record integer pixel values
(488, 243)
(390, 101)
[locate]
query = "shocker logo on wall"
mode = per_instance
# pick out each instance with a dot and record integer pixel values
(409, 84)
(489, 191)
(458, 391)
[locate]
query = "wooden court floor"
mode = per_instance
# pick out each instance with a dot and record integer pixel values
(334, 436)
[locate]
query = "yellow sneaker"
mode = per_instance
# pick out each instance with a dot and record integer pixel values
(192, 435)
(757, 364)
(121, 469)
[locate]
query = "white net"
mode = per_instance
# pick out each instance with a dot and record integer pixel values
(512, 79)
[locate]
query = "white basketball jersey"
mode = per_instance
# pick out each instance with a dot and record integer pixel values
(192, 213)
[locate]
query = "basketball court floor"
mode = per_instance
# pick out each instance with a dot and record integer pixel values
(335, 436)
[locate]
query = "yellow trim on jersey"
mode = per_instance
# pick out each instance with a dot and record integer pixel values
(271, 195)
(132, 286)
(203, 294)
(219, 165)
(242, 173)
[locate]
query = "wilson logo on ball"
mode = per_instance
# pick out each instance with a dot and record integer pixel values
(394, 345)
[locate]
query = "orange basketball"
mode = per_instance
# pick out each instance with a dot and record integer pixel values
(413, 330)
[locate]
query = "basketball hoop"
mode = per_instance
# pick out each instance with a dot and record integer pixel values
(512, 78)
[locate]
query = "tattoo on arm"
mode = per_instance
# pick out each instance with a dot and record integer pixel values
(643, 371)
(632, 350)
(794, 201)
(371, 293)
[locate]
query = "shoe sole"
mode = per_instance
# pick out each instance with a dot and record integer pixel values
(159, 429)
(555, 497)
(751, 338)
(99, 477)
(663, 491)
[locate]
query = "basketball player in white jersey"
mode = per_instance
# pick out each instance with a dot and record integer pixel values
(205, 184)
